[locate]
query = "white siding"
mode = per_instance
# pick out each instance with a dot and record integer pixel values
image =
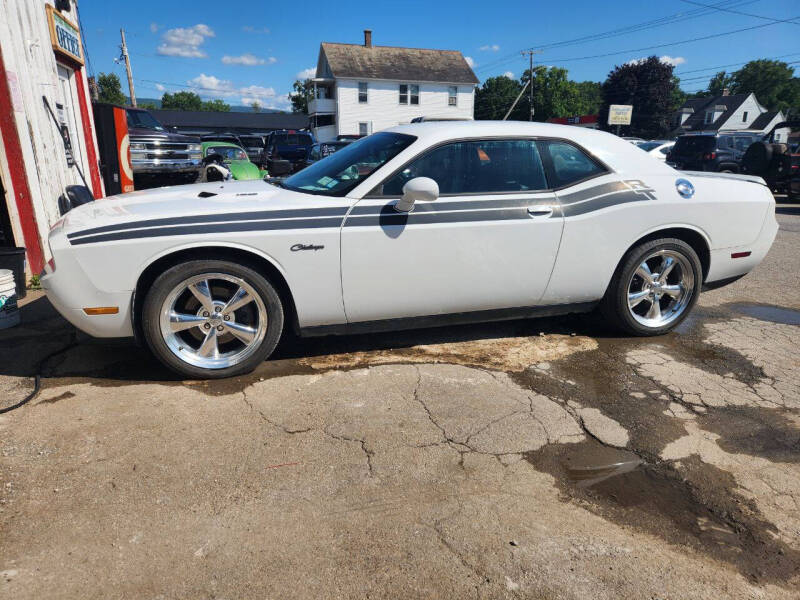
(383, 108)
(736, 121)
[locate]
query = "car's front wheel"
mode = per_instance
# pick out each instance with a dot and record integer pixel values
(211, 318)
(654, 288)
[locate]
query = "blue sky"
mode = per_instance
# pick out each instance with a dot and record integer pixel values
(245, 51)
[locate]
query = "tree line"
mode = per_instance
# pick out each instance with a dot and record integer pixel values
(649, 84)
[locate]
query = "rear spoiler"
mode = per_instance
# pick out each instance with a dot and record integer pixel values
(736, 176)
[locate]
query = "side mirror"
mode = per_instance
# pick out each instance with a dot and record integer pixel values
(419, 189)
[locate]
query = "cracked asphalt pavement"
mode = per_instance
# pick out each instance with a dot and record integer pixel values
(544, 458)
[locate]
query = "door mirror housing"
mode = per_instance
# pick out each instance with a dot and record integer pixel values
(419, 189)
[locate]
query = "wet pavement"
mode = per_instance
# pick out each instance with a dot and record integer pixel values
(546, 458)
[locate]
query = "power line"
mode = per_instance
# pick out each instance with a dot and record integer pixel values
(679, 73)
(738, 12)
(687, 41)
(667, 20)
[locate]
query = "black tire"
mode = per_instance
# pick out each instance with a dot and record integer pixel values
(614, 305)
(169, 279)
(757, 158)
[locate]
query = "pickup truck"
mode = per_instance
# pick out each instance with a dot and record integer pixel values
(158, 156)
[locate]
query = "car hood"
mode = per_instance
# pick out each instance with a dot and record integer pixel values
(189, 200)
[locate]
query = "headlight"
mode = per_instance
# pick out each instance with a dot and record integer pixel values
(138, 146)
(194, 147)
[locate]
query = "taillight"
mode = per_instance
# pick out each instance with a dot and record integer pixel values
(709, 156)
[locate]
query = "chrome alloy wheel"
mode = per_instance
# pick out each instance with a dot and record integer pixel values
(213, 320)
(661, 288)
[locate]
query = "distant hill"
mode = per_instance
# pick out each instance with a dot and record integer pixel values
(234, 108)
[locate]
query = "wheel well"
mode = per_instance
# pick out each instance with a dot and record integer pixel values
(690, 236)
(236, 255)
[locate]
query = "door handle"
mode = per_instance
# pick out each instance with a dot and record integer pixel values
(541, 210)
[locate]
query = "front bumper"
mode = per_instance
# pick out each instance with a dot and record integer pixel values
(70, 291)
(160, 166)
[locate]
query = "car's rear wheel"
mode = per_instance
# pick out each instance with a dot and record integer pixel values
(211, 318)
(654, 288)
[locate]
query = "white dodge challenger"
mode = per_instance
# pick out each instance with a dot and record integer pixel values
(418, 225)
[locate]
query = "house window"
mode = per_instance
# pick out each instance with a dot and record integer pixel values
(362, 92)
(414, 91)
(744, 117)
(709, 118)
(363, 128)
(452, 96)
(403, 93)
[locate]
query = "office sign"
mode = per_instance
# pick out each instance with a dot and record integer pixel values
(620, 114)
(65, 36)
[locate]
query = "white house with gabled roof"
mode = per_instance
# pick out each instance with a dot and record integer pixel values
(360, 89)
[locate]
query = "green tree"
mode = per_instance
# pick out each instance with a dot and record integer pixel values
(181, 101)
(301, 92)
(256, 106)
(495, 97)
(772, 81)
(590, 97)
(216, 106)
(110, 89)
(147, 105)
(719, 83)
(650, 87)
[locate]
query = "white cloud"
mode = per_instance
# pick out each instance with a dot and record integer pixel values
(469, 60)
(509, 74)
(209, 86)
(666, 59)
(307, 73)
(672, 60)
(160, 87)
(154, 27)
(247, 59)
(251, 29)
(489, 48)
(185, 41)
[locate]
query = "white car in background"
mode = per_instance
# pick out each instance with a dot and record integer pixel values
(419, 225)
(656, 148)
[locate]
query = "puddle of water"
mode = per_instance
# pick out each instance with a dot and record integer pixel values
(766, 312)
(589, 465)
(693, 504)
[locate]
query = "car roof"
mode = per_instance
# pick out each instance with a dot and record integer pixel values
(219, 143)
(619, 154)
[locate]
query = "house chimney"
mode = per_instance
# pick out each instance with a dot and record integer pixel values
(368, 38)
(726, 92)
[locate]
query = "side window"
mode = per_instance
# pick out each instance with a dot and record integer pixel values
(362, 92)
(476, 167)
(743, 143)
(570, 164)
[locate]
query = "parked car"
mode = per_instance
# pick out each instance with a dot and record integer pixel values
(288, 144)
(778, 164)
(656, 148)
(158, 156)
(321, 150)
(254, 146)
(417, 225)
(718, 152)
(348, 137)
(233, 158)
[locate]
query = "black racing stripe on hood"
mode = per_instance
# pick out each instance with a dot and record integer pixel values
(217, 218)
(197, 229)
(598, 190)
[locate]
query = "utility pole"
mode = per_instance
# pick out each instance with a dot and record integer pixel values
(530, 54)
(127, 60)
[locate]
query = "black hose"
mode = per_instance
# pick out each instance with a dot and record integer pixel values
(37, 379)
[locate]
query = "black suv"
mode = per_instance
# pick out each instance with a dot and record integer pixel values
(720, 152)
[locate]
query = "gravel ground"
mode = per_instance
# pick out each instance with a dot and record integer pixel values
(535, 459)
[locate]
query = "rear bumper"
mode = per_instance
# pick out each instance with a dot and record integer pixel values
(158, 166)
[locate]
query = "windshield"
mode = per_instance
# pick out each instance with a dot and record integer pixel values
(647, 146)
(340, 172)
(143, 120)
(292, 139)
(227, 152)
(253, 142)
